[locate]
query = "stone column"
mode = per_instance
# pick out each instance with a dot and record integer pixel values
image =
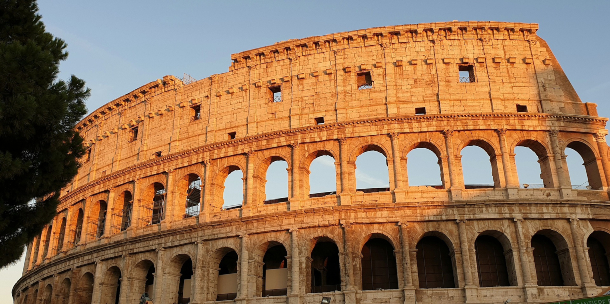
(242, 290)
(455, 181)
(349, 291)
(199, 288)
(346, 184)
(108, 231)
(398, 170)
(465, 254)
(136, 212)
(560, 165)
(293, 296)
(294, 175)
(248, 201)
(602, 147)
(172, 207)
(588, 288)
(510, 174)
(159, 284)
(206, 193)
(530, 289)
(98, 283)
(408, 289)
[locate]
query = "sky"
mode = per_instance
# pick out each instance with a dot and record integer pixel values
(118, 46)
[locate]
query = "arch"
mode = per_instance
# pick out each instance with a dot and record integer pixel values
(378, 264)
(189, 192)
(466, 170)
(180, 273)
(47, 295)
(544, 162)
(230, 177)
(589, 162)
(493, 259)
(78, 231)
(47, 241)
(155, 195)
(227, 280)
(62, 234)
(126, 202)
(552, 259)
(274, 166)
(599, 247)
(143, 281)
(64, 291)
(101, 219)
(435, 262)
(111, 287)
(417, 152)
(325, 266)
(84, 289)
(371, 177)
(274, 270)
(320, 165)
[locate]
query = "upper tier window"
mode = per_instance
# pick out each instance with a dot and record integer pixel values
(466, 73)
(276, 93)
(364, 80)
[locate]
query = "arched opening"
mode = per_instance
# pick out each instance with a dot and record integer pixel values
(193, 195)
(158, 203)
(424, 167)
(36, 249)
(47, 241)
(276, 184)
(233, 194)
(84, 289)
(325, 267)
(552, 259)
(533, 165)
(47, 295)
(127, 202)
(62, 234)
(64, 291)
(143, 281)
(275, 271)
(491, 262)
(101, 219)
(79, 226)
(589, 178)
(322, 176)
(378, 265)
(111, 289)
(372, 171)
(434, 264)
(185, 286)
(599, 243)
(227, 277)
(479, 174)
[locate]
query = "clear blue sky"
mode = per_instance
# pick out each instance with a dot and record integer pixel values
(117, 46)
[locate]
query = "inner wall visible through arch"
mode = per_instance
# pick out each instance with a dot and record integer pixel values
(234, 190)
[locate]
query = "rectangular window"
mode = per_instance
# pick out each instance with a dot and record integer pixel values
(196, 112)
(88, 155)
(157, 154)
(134, 134)
(232, 135)
(521, 108)
(364, 80)
(466, 73)
(276, 93)
(420, 111)
(319, 120)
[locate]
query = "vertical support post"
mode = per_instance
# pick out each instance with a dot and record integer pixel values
(98, 280)
(346, 185)
(562, 173)
(248, 200)
(602, 147)
(108, 231)
(398, 183)
(293, 297)
(200, 289)
(349, 291)
(243, 292)
(172, 208)
(408, 289)
(455, 185)
(530, 290)
(294, 173)
(588, 289)
(159, 283)
(206, 197)
(510, 174)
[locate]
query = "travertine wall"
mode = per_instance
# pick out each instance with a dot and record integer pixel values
(411, 66)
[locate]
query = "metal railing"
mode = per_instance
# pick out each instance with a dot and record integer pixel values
(366, 86)
(467, 79)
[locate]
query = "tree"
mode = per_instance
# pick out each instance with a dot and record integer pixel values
(39, 148)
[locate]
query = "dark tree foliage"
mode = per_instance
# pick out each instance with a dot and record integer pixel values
(39, 149)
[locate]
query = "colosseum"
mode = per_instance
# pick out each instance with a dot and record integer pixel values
(145, 214)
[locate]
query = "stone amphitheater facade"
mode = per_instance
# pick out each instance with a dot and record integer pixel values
(145, 212)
